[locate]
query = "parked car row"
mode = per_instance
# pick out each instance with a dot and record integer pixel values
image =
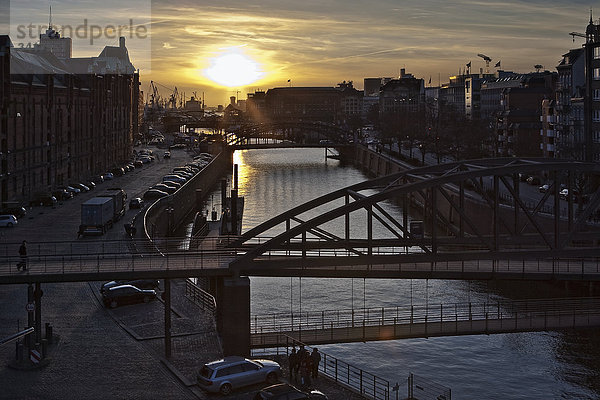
(180, 175)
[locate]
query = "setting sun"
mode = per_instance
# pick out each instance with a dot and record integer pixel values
(233, 68)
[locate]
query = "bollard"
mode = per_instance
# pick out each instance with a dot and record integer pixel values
(44, 348)
(20, 351)
(48, 332)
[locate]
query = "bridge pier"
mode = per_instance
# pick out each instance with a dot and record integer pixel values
(233, 314)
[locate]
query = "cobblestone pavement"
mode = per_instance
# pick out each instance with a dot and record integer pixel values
(110, 354)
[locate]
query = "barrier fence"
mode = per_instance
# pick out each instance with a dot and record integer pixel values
(343, 373)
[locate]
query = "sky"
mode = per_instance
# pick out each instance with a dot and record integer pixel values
(230, 48)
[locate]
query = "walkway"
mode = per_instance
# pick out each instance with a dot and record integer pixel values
(422, 321)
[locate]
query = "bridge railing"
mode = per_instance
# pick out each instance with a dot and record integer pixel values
(116, 262)
(356, 379)
(424, 313)
(200, 297)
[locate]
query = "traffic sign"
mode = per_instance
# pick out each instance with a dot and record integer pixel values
(35, 356)
(30, 307)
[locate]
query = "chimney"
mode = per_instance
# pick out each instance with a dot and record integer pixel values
(402, 72)
(122, 42)
(232, 100)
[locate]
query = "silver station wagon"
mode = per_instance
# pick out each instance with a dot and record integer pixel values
(234, 372)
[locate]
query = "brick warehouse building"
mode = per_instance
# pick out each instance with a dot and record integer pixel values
(63, 120)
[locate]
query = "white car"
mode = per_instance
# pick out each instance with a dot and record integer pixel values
(8, 220)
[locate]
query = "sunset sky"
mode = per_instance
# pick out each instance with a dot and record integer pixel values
(234, 47)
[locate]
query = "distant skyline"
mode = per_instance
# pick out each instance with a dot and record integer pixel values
(263, 44)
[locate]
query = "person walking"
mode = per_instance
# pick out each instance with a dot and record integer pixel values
(315, 357)
(292, 361)
(23, 255)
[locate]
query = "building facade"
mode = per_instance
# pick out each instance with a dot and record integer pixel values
(59, 125)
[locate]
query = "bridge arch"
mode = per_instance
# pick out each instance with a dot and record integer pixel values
(470, 210)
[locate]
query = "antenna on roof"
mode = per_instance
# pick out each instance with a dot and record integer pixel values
(50, 19)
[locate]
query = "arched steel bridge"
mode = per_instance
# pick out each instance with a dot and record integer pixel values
(288, 134)
(468, 232)
(464, 224)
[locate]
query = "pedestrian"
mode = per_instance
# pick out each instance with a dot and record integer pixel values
(315, 357)
(305, 370)
(23, 255)
(292, 361)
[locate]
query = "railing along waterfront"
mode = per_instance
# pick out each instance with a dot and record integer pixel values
(354, 378)
(200, 297)
(430, 313)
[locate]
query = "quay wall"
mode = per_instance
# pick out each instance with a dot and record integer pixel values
(166, 214)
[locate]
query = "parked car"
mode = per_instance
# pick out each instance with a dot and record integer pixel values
(117, 171)
(17, 211)
(165, 188)
(136, 203)
(152, 194)
(564, 194)
(8, 220)
(167, 154)
(75, 191)
(62, 194)
(44, 200)
(138, 163)
(174, 184)
(285, 391)
(174, 178)
(126, 294)
(98, 179)
(544, 188)
(534, 180)
(233, 372)
(108, 176)
(90, 184)
(80, 186)
(138, 283)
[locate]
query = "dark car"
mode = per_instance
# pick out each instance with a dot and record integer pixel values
(152, 194)
(136, 203)
(17, 211)
(285, 391)
(138, 283)
(138, 163)
(62, 194)
(126, 294)
(98, 179)
(118, 171)
(44, 200)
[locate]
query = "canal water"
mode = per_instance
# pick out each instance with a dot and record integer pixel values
(547, 365)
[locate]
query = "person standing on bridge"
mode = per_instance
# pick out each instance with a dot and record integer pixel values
(316, 359)
(292, 364)
(23, 255)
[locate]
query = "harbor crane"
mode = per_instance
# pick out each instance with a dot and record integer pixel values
(577, 34)
(488, 60)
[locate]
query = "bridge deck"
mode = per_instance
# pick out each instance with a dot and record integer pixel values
(181, 264)
(433, 321)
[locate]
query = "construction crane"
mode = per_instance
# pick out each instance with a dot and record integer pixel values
(577, 34)
(488, 60)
